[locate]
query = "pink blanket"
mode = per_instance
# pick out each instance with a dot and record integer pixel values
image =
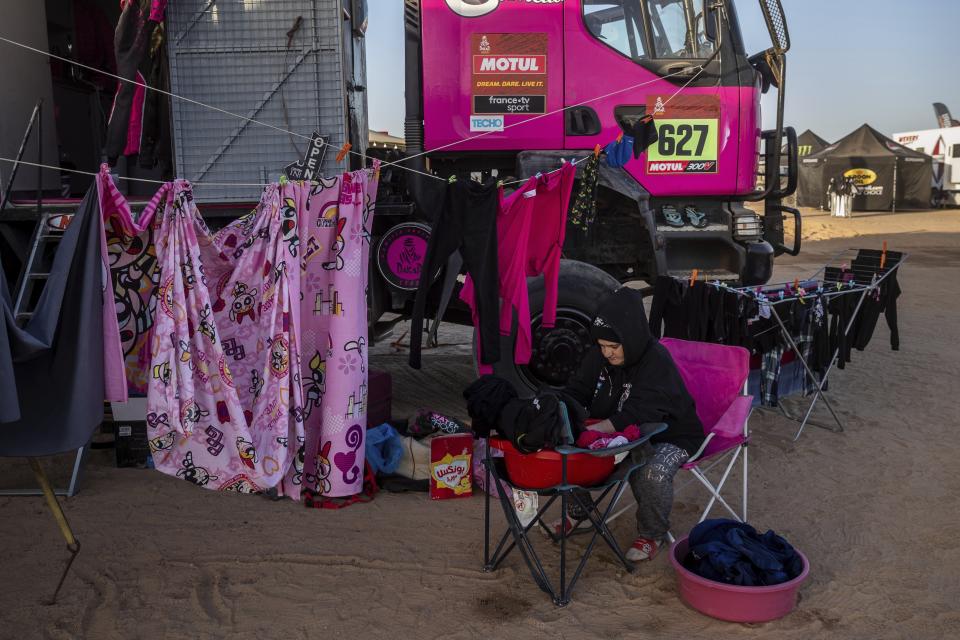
(257, 337)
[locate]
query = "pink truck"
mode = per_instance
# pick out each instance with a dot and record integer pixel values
(513, 87)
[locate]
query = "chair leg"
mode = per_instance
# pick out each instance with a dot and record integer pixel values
(530, 557)
(746, 450)
(715, 491)
(498, 557)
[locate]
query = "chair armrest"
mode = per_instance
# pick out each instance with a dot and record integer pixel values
(731, 423)
(649, 430)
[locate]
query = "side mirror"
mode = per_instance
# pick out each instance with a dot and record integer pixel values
(710, 22)
(776, 25)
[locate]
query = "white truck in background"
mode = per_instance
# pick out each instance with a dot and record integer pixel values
(944, 145)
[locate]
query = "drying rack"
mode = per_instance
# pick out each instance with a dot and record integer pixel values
(869, 268)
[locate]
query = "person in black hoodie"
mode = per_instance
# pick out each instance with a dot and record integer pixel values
(629, 378)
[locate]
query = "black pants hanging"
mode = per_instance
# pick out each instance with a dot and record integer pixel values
(465, 221)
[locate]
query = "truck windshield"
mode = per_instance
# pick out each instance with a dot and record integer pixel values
(650, 28)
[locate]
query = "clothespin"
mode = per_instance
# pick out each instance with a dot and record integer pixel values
(620, 137)
(883, 256)
(693, 276)
(499, 184)
(596, 151)
(796, 284)
(283, 180)
(344, 150)
(452, 179)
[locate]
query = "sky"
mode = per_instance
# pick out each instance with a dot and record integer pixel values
(883, 62)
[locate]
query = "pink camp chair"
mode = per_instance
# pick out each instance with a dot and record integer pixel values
(716, 377)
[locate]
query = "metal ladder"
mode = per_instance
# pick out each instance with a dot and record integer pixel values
(48, 232)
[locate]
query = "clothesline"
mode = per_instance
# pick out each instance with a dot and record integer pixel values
(147, 180)
(204, 183)
(751, 292)
(700, 68)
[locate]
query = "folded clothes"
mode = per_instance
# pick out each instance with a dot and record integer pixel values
(591, 439)
(735, 553)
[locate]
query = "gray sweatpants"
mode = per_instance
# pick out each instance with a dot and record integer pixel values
(652, 485)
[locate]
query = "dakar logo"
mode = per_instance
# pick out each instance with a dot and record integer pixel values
(861, 177)
(473, 8)
(477, 8)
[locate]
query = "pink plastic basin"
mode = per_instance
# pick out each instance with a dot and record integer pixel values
(732, 602)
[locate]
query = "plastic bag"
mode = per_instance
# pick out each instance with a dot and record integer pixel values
(383, 449)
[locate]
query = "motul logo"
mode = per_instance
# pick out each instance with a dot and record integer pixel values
(661, 167)
(509, 64)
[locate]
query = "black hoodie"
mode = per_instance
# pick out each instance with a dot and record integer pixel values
(646, 388)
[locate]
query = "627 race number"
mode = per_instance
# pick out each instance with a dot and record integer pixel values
(684, 146)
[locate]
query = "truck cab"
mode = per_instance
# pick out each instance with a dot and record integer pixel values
(515, 87)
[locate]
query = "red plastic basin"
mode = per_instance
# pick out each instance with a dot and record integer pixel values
(544, 468)
(733, 602)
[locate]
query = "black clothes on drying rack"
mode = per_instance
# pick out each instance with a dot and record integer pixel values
(668, 317)
(700, 312)
(882, 300)
(51, 370)
(465, 220)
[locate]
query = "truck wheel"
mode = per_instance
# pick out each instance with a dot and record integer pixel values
(557, 352)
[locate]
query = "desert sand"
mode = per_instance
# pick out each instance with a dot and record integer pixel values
(875, 508)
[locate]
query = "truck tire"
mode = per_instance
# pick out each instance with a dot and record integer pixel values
(557, 352)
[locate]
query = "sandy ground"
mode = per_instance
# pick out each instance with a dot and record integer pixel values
(875, 509)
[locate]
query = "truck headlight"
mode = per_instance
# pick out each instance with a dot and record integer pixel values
(747, 226)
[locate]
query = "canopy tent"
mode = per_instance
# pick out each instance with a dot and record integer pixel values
(887, 174)
(809, 143)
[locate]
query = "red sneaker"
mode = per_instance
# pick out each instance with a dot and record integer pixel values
(643, 549)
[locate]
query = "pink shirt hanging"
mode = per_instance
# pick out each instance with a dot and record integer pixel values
(531, 228)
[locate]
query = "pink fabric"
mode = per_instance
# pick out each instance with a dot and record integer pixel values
(224, 401)
(546, 245)
(530, 235)
(232, 404)
(513, 229)
(158, 9)
(135, 126)
(114, 378)
(588, 439)
(336, 248)
(130, 255)
(714, 375)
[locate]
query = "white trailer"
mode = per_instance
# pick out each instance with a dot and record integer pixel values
(944, 146)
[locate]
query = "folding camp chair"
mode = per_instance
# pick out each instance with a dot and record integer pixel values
(716, 377)
(614, 485)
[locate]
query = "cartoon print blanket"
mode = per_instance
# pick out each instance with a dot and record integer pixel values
(246, 323)
(224, 403)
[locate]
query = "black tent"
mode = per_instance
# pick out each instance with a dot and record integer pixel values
(809, 143)
(888, 175)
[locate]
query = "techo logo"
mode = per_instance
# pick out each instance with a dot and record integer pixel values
(486, 123)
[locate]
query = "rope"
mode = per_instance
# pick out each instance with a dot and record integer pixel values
(700, 70)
